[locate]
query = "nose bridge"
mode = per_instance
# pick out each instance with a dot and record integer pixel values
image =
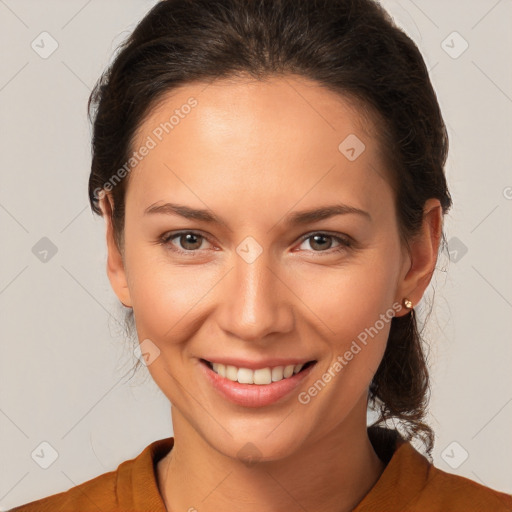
(254, 302)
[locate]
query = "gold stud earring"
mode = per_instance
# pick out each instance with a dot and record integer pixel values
(407, 303)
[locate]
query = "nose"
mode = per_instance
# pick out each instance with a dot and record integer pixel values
(256, 300)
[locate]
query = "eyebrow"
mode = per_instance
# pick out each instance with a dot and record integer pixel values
(294, 218)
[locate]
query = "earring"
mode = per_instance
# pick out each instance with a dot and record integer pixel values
(407, 303)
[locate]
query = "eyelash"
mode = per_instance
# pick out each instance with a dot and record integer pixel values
(345, 242)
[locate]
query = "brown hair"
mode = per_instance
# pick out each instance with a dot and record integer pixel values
(351, 47)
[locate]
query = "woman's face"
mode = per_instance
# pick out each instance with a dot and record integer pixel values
(256, 283)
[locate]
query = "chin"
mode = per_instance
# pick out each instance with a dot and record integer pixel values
(252, 448)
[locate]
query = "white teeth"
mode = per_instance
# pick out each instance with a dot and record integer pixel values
(297, 368)
(277, 373)
(288, 371)
(231, 373)
(245, 376)
(260, 376)
(221, 370)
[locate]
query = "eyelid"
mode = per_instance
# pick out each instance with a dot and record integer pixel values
(166, 238)
(345, 241)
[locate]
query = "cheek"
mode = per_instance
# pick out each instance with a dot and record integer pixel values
(165, 296)
(355, 312)
(353, 309)
(349, 298)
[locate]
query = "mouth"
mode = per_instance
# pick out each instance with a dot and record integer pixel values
(260, 376)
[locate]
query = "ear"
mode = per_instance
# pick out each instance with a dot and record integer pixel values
(115, 265)
(420, 263)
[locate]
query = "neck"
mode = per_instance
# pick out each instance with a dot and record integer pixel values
(332, 474)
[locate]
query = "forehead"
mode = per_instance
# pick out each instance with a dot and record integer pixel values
(245, 136)
(233, 103)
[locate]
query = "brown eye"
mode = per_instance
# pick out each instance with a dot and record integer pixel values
(190, 241)
(187, 241)
(323, 242)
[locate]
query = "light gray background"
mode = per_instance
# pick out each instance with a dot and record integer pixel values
(64, 359)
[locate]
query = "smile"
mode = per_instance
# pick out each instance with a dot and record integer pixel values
(260, 376)
(255, 387)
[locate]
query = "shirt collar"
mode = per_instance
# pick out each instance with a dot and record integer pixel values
(403, 478)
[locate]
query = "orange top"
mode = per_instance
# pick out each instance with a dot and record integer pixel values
(409, 483)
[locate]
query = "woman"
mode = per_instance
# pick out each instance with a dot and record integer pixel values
(272, 178)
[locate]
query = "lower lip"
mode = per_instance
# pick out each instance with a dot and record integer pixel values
(254, 395)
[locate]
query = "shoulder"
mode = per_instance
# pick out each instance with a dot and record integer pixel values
(132, 486)
(96, 494)
(410, 482)
(448, 492)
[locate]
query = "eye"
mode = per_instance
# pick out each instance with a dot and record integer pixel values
(189, 241)
(322, 242)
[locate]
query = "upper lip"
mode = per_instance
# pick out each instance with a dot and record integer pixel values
(257, 364)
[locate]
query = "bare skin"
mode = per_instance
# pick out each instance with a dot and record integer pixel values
(252, 153)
